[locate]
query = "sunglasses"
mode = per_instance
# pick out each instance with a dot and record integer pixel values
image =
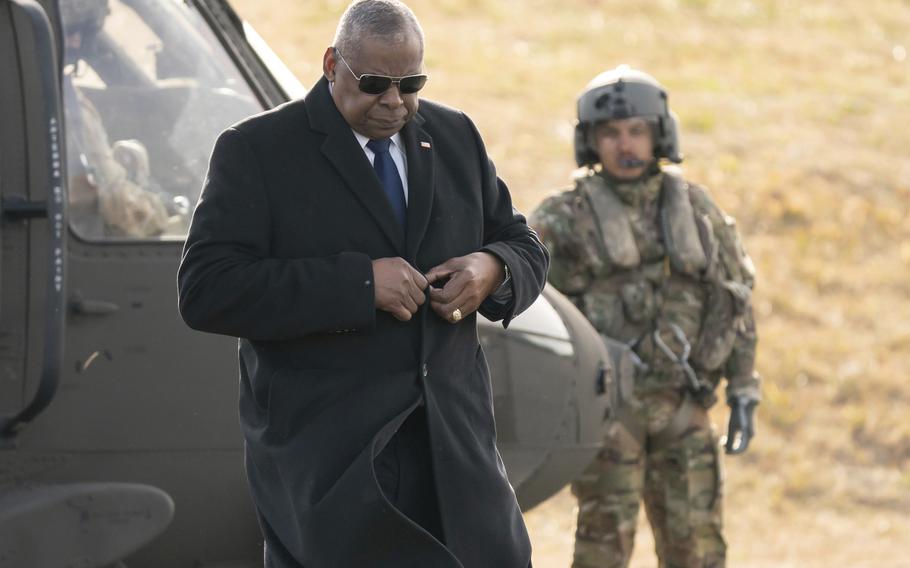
(377, 84)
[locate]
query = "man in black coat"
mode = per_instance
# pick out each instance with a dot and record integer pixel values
(348, 240)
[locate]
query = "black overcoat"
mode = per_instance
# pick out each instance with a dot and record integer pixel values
(279, 255)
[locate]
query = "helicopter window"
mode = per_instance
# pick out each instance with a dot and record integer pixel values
(147, 89)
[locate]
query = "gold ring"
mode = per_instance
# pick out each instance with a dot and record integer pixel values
(456, 316)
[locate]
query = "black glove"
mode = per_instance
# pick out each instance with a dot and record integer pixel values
(742, 410)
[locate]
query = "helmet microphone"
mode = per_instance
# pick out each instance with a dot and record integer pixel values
(632, 163)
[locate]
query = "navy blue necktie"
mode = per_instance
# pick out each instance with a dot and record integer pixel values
(388, 177)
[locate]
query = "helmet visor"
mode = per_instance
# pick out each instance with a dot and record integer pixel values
(623, 100)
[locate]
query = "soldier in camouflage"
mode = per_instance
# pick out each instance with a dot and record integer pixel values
(661, 272)
(109, 185)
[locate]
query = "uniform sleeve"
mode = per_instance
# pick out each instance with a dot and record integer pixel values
(229, 282)
(742, 378)
(736, 267)
(126, 207)
(131, 210)
(508, 236)
(554, 220)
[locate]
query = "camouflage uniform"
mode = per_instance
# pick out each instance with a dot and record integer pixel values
(107, 195)
(109, 184)
(610, 256)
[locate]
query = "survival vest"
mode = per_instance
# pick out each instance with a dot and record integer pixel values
(690, 289)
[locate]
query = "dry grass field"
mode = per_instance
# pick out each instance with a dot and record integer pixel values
(796, 113)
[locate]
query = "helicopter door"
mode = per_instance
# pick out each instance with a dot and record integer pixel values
(146, 89)
(32, 239)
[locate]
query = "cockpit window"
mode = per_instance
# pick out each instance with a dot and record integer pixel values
(147, 88)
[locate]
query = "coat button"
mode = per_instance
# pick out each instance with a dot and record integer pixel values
(423, 370)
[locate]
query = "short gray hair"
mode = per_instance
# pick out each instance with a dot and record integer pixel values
(388, 20)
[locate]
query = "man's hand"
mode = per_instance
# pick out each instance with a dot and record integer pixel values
(398, 287)
(469, 280)
(741, 425)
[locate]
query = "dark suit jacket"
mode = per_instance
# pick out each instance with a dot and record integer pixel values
(279, 254)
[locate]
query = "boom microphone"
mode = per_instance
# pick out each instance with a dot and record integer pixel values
(632, 163)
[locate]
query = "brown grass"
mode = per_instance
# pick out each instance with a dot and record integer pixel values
(796, 114)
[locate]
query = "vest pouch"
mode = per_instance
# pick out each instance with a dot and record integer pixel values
(624, 369)
(724, 311)
(638, 302)
(604, 311)
(586, 231)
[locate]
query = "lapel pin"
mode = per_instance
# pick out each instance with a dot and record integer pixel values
(424, 144)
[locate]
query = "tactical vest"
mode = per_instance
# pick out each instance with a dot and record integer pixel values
(685, 288)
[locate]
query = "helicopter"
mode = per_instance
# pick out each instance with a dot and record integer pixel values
(119, 436)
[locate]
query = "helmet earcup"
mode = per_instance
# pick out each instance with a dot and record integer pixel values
(669, 140)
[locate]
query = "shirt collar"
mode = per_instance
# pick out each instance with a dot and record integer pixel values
(396, 140)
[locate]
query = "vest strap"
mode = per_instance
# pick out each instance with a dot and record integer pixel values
(680, 233)
(615, 229)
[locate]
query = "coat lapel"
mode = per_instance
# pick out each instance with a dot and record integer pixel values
(421, 182)
(345, 154)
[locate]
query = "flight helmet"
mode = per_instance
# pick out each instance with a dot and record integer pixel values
(85, 16)
(623, 93)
